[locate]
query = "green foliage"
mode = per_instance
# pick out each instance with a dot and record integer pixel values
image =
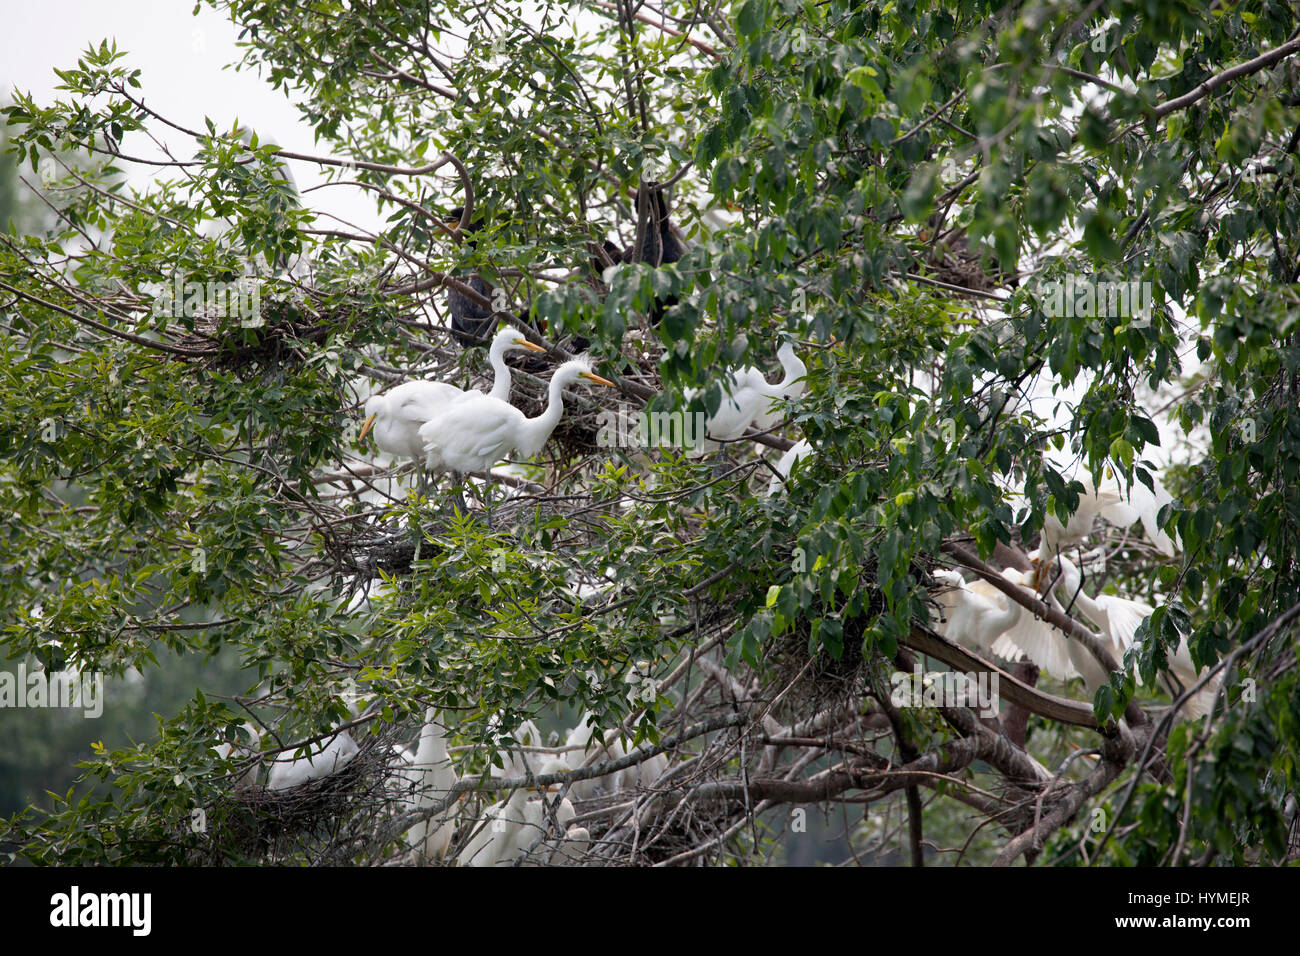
(157, 463)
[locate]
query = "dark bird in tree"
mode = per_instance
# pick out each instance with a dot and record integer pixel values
(603, 257)
(471, 323)
(658, 243)
(474, 324)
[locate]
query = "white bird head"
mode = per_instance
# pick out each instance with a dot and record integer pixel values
(949, 577)
(375, 406)
(511, 338)
(575, 369)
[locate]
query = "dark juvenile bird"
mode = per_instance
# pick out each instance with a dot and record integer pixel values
(471, 323)
(659, 243)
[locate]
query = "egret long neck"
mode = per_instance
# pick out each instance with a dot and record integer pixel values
(501, 379)
(539, 429)
(792, 365)
(1005, 620)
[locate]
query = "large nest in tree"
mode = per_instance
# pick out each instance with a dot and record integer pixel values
(272, 339)
(367, 549)
(335, 820)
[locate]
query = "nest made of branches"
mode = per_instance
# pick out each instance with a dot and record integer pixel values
(952, 259)
(284, 326)
(364, 550)
(332, 820)
(817, 680)
(575, 435)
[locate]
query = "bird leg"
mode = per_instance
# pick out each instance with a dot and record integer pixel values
(459, 501)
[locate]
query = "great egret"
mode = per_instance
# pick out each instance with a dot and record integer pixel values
(397, 414)
(240, 751)
(578, 742)
(800, 449)
(571, 851)
(748, 399)
(641, 774)
(475, 433)
(580, 752)
(517, 762)
(1119, 618)
(436, 776)
(970, 618)
(496, 839)
(537, 823)
(505, 340)
(321, 761)
(1044, 644)
(1106, 503)
(789, 388)
(1115, 508)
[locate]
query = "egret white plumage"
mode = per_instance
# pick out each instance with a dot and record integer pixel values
(397, 414)
(799, 450)
(517, 762)
(642, 774)
(432, 836)
(241, 751)
(477, 432)
(581, 752)
(322, 761)
(496, 839)
(1107, 503)
(578, 742)
(1044, 644)
(504, 341)
(970, 618)
(546, 818)
(790, 388)
(1119, 619)
(748, 399)
(1114, 507)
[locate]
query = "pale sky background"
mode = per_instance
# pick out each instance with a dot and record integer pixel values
(181, 58)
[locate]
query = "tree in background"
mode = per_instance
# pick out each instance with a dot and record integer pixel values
(903, 189)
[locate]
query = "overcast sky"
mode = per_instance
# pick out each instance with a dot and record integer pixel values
(182, 59)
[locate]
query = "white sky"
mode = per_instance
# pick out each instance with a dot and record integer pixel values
(182, 60)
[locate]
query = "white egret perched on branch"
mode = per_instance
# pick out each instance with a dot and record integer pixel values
(240, 751)
(517, 762)
(495, 840)
(1114, 507)
(435, 777)
(970, 618)
(1044, 644)
(581, 752)
(799, 450)
(475, 433)
(749, 399)
(789, 388)
(1106, 503)
(1119, 619)
(397, 414)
